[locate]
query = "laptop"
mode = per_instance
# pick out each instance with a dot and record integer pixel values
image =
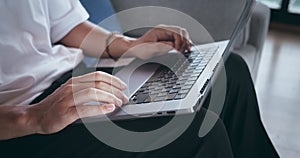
(175, 83)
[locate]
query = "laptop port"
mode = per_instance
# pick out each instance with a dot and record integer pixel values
(171, 112)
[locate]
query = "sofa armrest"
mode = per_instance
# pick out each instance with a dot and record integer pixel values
(259, 26)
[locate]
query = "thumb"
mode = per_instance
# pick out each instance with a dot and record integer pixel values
(94, 110)
(163, 47)
(108, 108)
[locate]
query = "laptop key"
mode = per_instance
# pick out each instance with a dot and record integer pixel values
(179, 96)
(184, 91)
(186, 87)
(190, 83)
(171, 96)
(174, 91)
(159, 99)
(162, 94)
(178, 86)
(195, 75)
(193, 78)
(149, 99)
(133, 98)
(176, 82)
(141, 98)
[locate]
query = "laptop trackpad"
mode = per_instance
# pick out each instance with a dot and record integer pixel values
(136, 74)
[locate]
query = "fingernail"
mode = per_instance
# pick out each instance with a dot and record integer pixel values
(191, 42)
(110, 108)
(126, 99)
(124, 86)
(119, 102)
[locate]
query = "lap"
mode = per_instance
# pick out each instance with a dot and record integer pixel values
(240, 114)
(77, 141)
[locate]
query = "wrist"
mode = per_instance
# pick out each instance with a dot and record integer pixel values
(121, 46)
(30, 119)
(16, 121)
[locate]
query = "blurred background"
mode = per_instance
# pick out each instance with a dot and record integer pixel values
(278, 79)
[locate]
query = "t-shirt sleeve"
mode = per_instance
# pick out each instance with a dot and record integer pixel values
(64, 15)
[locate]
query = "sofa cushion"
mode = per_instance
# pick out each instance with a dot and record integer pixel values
(218, 15)
(249, 55)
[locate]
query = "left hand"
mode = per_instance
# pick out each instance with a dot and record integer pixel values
(159, 40)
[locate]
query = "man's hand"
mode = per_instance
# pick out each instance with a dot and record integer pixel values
(160, 40)
(66, 104)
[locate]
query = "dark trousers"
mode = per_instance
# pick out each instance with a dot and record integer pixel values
(238, 131)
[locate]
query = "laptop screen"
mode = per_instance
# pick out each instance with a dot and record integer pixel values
(206, 20)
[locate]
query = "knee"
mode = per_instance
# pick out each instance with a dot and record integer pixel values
(236, 67)
(210, 123)
(213, 132)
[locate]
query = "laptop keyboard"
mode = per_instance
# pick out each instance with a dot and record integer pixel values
(174, 83)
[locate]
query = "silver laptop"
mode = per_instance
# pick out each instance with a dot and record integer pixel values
(175, 83)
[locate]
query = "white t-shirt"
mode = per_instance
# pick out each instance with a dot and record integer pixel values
(29, 60)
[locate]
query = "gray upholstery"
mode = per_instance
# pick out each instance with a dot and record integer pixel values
(248, 44)
(193, 8)
(258, 29)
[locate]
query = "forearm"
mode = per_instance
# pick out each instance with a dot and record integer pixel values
(15, 122)
(92, 40)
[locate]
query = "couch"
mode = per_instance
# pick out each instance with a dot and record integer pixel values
(254, 35)
(248, 44)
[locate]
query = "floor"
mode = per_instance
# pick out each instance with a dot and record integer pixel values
(278, 89)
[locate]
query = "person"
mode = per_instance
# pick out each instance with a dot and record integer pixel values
(42, 41)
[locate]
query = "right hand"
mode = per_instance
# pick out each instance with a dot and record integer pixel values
(66, 104)
(160, 40)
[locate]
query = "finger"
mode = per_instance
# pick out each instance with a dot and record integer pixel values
(100, 76)
(184, 45)
(102, 86)
(185, 37)
(93, 94)
(190, 45)
(91, 110)
(174, 33)
(177, 41)
(171, 44)
(189, 41)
